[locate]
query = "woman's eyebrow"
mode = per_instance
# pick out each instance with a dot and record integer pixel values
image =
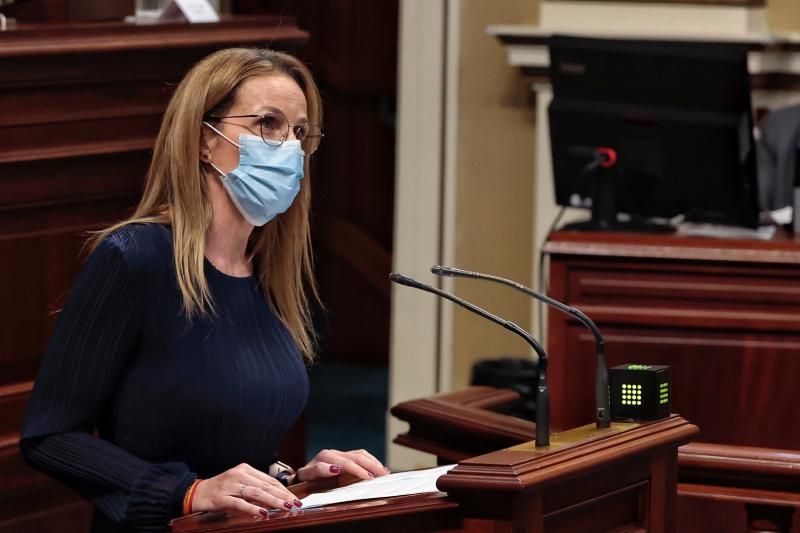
(267, 107)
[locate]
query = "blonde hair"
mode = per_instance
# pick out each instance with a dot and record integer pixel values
(175, 191)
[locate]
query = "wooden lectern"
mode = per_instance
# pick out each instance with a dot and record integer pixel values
(619, 479)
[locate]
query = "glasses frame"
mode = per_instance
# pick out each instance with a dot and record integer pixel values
(288, 128)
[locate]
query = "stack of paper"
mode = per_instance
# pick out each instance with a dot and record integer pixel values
(400, 484)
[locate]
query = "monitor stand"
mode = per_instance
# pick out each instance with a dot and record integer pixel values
(604, 212)
(627, 226)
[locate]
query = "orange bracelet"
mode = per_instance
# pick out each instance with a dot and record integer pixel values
(189, 496)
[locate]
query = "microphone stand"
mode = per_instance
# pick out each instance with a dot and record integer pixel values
(602, 403)
(542, 392)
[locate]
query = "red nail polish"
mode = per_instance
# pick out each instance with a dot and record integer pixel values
(264, 513)
(287, 505)
(298, 503)
(335, 469)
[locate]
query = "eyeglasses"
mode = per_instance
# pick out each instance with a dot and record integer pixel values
(275, 127)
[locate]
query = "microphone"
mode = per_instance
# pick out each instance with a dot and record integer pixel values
(542, 393)
(601, 394)
(605, 156)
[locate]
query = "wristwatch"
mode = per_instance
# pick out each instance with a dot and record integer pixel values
(282, 472)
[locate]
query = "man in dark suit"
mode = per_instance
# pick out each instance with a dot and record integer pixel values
(777, 153)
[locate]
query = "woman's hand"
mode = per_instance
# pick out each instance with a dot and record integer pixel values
(243, 489)
(330, 463)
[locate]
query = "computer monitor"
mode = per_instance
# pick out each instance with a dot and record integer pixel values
(678, 117)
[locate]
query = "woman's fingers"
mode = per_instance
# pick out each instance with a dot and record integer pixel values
(269, 484)
(319, 469)
(360, 466)
(258, 495)
(355, 462)
(243, 489)
(329, 463)
(232, 503)
(352, 467)
(375, 466)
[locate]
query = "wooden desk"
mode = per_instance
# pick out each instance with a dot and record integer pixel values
(724, 314)
(621, 479)
(720, 487)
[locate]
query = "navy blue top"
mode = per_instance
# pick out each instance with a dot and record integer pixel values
(170, 399)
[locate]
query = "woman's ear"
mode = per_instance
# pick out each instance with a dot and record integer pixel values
(207, 143)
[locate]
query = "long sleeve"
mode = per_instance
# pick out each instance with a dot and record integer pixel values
(94, 339)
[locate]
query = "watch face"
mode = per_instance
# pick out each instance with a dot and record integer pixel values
(282, 472)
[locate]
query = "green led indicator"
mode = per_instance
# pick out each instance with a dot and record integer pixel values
(631, 394)
(638, 367)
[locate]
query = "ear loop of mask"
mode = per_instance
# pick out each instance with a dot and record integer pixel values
(215, 167)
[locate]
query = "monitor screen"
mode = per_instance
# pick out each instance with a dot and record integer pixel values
(677, 115)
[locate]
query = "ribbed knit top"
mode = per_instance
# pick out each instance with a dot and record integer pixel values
(170, 399)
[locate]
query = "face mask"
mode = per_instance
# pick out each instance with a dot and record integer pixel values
(267, 179)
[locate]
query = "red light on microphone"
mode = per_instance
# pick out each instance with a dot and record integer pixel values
(610, 156)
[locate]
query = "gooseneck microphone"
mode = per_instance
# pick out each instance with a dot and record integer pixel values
(602, 407)
(542, 393)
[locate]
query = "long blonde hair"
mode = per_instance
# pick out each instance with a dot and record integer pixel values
(175, 191)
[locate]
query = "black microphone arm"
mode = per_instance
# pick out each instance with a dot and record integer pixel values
(601, 394)
(542, 393)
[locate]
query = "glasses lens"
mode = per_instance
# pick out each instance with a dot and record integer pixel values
(274, 128)
(309, 136)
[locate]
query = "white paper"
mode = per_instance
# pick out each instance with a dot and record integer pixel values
(763, 233)
(399, 484)
(782, 216)
(192, 10)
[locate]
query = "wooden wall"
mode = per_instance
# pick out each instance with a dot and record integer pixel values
(722, 313)
(79, 110)
(353, 54)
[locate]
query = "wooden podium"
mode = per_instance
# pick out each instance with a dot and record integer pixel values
(720, 487)
(620, 479)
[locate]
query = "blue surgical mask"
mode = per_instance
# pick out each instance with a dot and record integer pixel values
(267, 179)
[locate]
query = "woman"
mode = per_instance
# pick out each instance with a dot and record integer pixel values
(183, 338)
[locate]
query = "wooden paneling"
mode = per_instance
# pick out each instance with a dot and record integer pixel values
(724, 314)
(70, 10)
(728, 325)
(720, 487)
(733, 384)
(353, 53)
(79, 110)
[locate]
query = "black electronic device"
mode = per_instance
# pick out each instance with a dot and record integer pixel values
(670, 121)
(641, 392)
